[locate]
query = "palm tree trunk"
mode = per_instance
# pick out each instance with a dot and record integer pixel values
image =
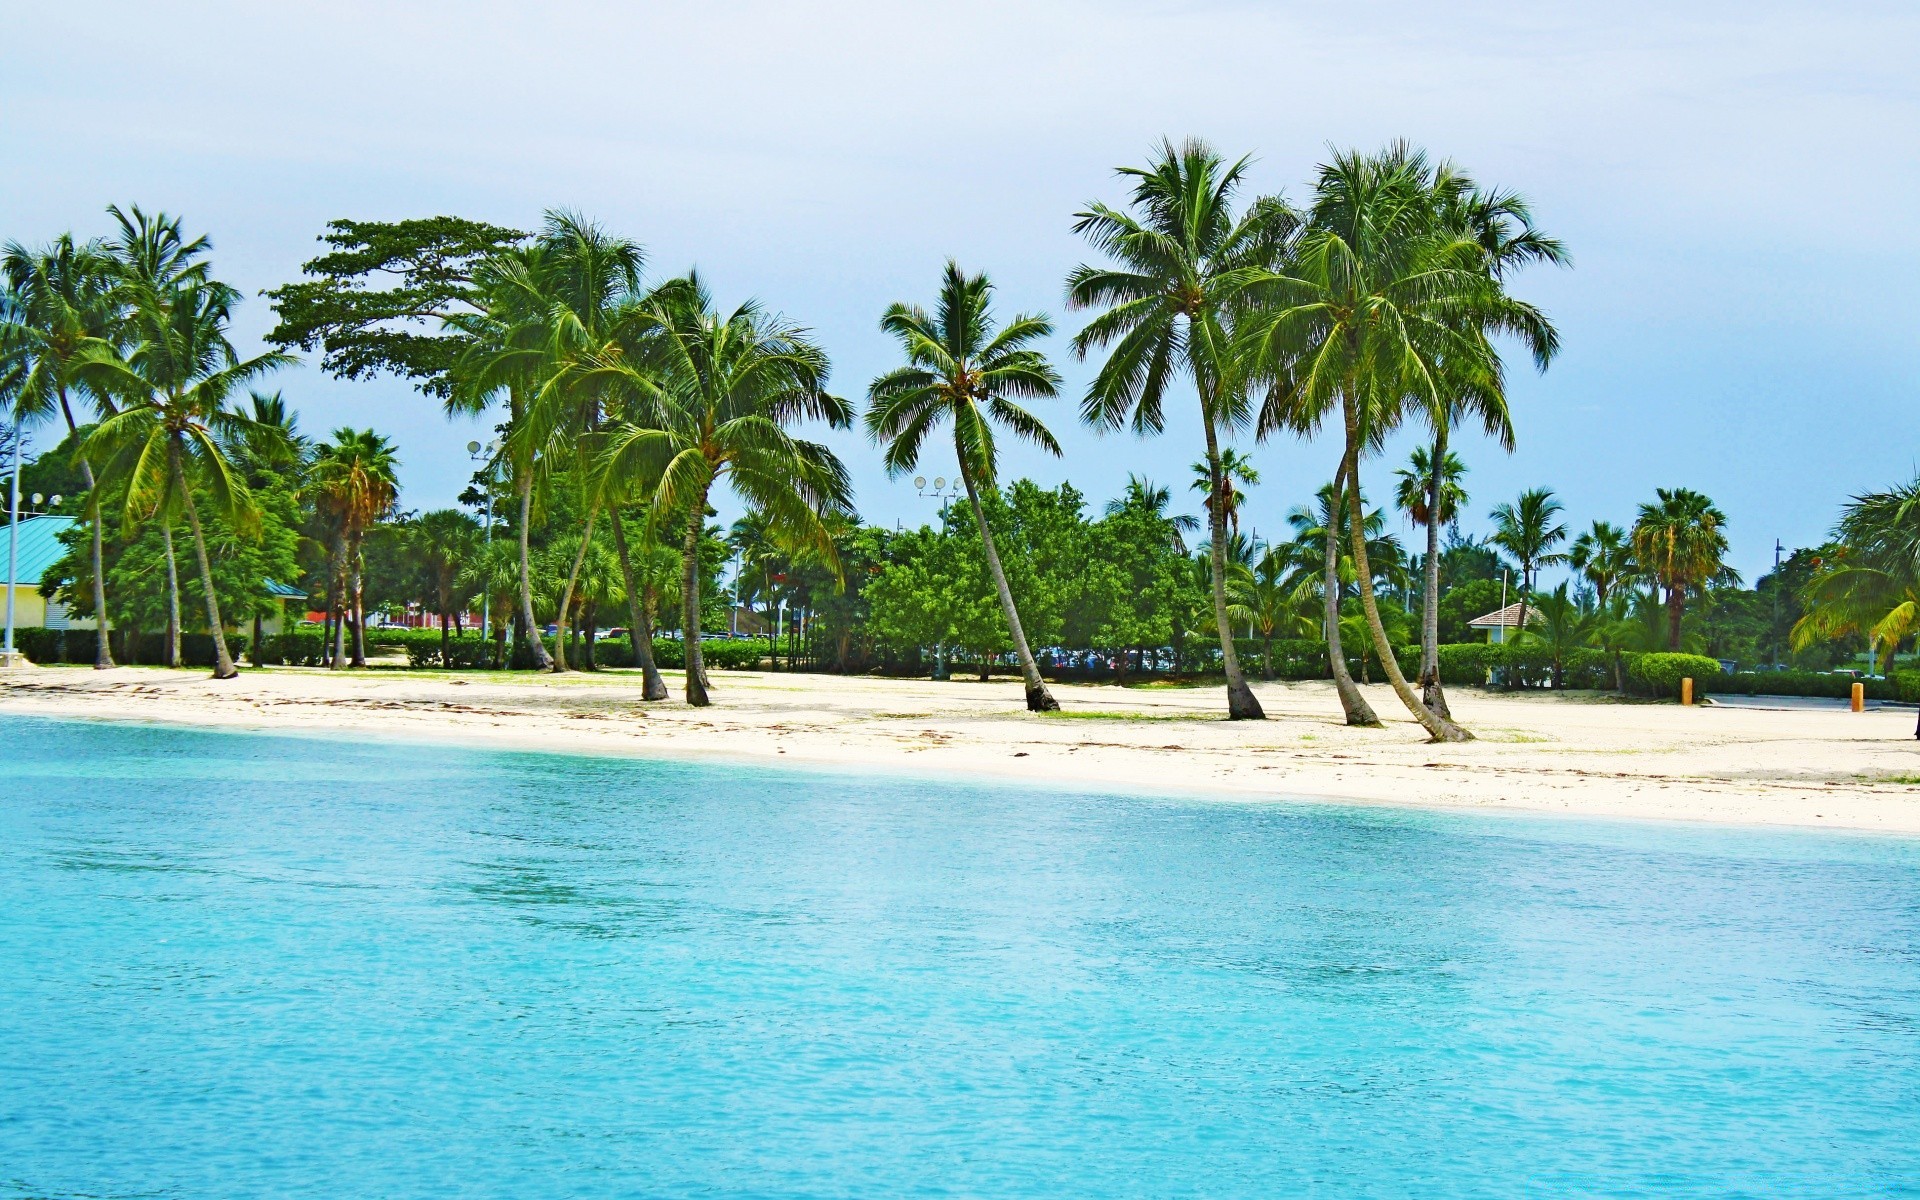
(255, 650)
(338, 662)
(1431, 693)
(1039, 698)
(1242, 705)
(102, 651)
(359, 607)
(1266, 660)
(566, 594)
(1352, 703)
(690, 606)
(652, 687)
(446, 638)
(1676, 608)
(173, 594)
(1526, 588)
(535, 643)
(1442, 729)
(223, 667)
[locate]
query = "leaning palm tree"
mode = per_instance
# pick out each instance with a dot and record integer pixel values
(961, 370)
(167, 438)
(706, 396)
(1680, 543)
(1527, 530)
(1383, 305)
(1170, 306)
(1430, 493)
(58, 300)
(355, 480)
(1604, 557)
(1322, 527)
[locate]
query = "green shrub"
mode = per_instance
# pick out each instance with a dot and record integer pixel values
(1660, 674)
(76, 646)
(1903, 687)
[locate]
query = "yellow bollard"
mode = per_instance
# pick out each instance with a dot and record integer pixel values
(1686, 690)
(1859, 697)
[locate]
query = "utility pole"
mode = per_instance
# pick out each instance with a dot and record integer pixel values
(1776, 603)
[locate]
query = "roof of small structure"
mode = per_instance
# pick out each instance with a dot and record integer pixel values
(274, 587)
(1505, 618)
(39, 547)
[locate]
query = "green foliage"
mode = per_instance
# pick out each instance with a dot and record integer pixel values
(1463, 602)
(46, 646)
(1903, 686)
(1661, 673)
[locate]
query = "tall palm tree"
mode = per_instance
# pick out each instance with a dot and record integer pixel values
(57, 301)
(174, 386)
(585, 284)
(961, 370)
(1320, 531)
(1527, 530)
(1604, 556)
(1680, 543)
(1382, 305)
(707, 396)
(1431, 494)
(1170, 307)
(356, 479)
(445, 540)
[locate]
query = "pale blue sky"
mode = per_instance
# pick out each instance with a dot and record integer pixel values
(1737, 183)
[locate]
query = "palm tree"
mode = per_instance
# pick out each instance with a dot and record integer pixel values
(1170, 309)
(356, 480)
(1383, 303)
(1274, 598)
(495, 573)
(961, 370)
(707, 396)
(1527, 530)
(1143, 495)
(1235, 469)
(445, 540)
(1871, 583)
(1680, 543)
(175, 383)
(1321, 530)
(58, 300)
(1604, 556)
(1430, 493)
(1562, 628)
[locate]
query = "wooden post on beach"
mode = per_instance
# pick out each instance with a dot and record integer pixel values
(1686, 690)
(1859, 697)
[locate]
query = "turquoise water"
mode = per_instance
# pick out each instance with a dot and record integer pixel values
(248, 966)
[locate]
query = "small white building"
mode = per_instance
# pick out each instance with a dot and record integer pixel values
(1501, 624)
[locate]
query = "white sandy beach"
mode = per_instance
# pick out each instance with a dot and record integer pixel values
(1536, 753)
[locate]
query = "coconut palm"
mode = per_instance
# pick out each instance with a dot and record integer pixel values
(1527, 530)
(1235, 469)
(1604, 557)
(707, 397)
(1321, 545)
(1145, 496)
(963, 371)
(1383, 304)
(1680, 543)
(1169, 309)
(166, 439)
(1430, 493)
(355, 480)
(57, 301)
(1870, 584)
(444, 541)
(1275, 599)
(1562, 628)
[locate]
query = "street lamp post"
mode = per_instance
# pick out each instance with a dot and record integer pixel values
(1776, 603)
(13, 545)
(487, 454)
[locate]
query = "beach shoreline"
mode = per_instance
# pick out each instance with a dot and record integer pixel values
(1536, 754)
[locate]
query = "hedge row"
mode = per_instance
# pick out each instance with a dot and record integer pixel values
(1903, 686)
(45, 646)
